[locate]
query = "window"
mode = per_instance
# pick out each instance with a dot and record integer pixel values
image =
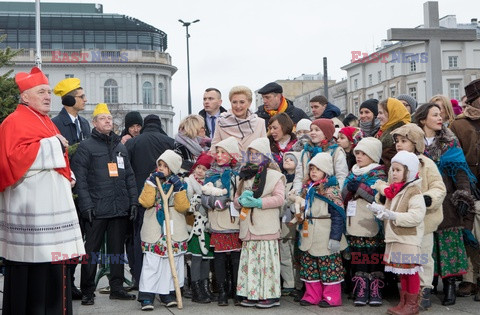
(69, 76)
(454, 91)
(413, 66)
(379, 95)
(355, 84)
(147, 90)
(392, 71)
(412, 91)
(392, 92)
(452, 62)
(370, 96)
(379, 76)
(110, 92)
(161, 93)
(370, 80)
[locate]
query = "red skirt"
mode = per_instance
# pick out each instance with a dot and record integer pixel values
(225, 242)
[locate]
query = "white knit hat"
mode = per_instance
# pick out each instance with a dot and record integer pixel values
(172, 159)
(371, 147)
(324, 162)
(303, 124)
(295, 156)
(262, 145)
(231, 146)
(410, 160)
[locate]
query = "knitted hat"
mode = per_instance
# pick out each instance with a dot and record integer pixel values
(410, 160)
(348, 119)
(231, 146)
(66, 85)
(457, 109)
(172, 159)
(262, 145)
(303, 124)
(413, 133)
(26, 81)
(152, 119)
(472, 91)
(271, 87)
(409, 99)
(371, 105)
(295, 156)
(101, 108)
(133, 118)
(371, 147)
(354, 135)
(327, 127)
(204, 159)
(324, 162)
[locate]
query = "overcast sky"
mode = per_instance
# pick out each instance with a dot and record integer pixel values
(253, 42)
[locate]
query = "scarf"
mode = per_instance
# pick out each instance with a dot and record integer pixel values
(326, 190)
(358, 171)
(192, 145)
(283, 107)
(369, 128)
(392, 190)
(278, 152)
(159, 204)
(259, 174)
(222, 173)
(396, 114)
(326, 147)
(472, 112)
(237, 127)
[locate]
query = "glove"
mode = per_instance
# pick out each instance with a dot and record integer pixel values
(154, 175)
(428, 200)
(333, 246)
(176, 182)
(251, 202)
(88, 215)
(375, 207)
(133, 212)
(247, 193)
(462, 208)
(386, 215)
(353, 185)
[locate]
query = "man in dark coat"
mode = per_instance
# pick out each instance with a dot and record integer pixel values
(212, 108)
(322, 108)
(274, 102)
(107, 198)
(143, 152)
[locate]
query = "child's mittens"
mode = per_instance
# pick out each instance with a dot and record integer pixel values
(375, 208)
(244, 195)
(387, 215)
(333, 246)
(251, 202)
(379, 186)
(155, 175)
(299, 207)
(176, 182)
(352, 186)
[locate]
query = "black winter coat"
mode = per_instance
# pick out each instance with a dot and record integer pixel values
(109, 197)
(296, 114)
(68, 129)
(203, 113)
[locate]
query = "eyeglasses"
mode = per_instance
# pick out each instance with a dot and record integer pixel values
(81, 96)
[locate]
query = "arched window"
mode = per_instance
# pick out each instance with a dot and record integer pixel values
(147, 90)
(110, 92)
(161, 93)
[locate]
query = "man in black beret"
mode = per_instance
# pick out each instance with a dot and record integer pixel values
(274, 102)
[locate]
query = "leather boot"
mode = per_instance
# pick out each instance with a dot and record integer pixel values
(411, 305)
(394, 310)
(449, 291)
(477, 295)
(205, 284)
(222, 294)
(425, 303)
(198, 295)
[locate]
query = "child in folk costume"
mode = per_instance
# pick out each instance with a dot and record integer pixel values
(403, 215)
(224, 223)
(199, 240)
(156, 276)
(321, 235)
(364, 231)
(260, 196)
(410, 137)
(347, 139)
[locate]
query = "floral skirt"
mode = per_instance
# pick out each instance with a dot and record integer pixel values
(326, 269)
(225, 242)
(160, 247)
(449, 252)
(195, 249)
(259, 270)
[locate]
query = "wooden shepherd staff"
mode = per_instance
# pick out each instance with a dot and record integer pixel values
(168, 232)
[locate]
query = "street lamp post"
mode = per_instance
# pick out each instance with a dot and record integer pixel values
(187, 24)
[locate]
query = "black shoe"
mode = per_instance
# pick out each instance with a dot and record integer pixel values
(425, 302)
(298, 294)
(187, 292)
(205, 285)
(198, 294)
(121, 295)
(88, 299)
(305, 303)
(222, 295)
(376, 286)
(76, 293)
(449, 291)
(168, 299)
(361, 290)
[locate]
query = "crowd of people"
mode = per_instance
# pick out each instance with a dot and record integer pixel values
(261, 204)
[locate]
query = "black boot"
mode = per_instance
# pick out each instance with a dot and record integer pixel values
(435, 284)
(198, 295)
(205, 284)
(187, 287)
(222, 294)
(361, 291)
(477, 294)
(449, 291)
(376, 286)
(425, 302)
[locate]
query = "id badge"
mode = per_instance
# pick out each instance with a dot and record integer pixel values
(120, 162)
(351, 208)
(112, 169)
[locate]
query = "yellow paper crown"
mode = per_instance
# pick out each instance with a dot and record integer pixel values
(101, 108)
(66, 85)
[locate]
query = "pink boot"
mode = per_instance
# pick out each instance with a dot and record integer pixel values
(313, 294)
(332, 295)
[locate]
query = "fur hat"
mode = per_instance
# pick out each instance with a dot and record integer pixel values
(353, 134)
(172, 159)
(231, 146)
(303, 124)
(410, 160)
(295, 156)
(324, 162)
(472, 91)
(409, 99)
(371, 105)
(371, 147)
(327, 127)
(413, 133)
(262, 145)
(271, 87)
(26, 81)
(132, 118)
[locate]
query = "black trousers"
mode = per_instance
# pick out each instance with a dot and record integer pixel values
(94, 237)
(36, 289)
(137, 246)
